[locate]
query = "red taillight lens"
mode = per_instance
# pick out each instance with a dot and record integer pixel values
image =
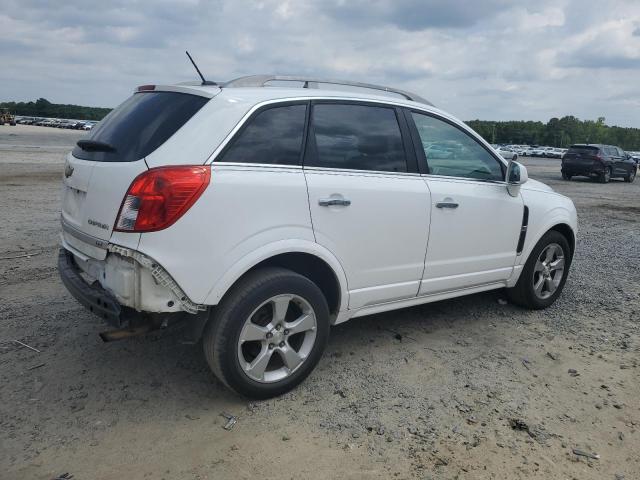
(160, 196)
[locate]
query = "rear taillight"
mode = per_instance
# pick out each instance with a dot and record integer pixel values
(158, 197)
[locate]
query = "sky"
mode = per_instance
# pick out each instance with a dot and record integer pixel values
(476, 59)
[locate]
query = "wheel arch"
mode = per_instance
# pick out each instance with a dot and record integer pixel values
(305, 258)
(312, 267)
(567, 232)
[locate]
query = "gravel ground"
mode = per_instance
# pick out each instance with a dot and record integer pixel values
(470, 388)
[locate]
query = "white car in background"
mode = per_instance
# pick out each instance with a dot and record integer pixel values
(507, 154)
(260, 217)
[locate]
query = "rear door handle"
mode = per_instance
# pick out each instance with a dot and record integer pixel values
(331, 202)
(446, 205)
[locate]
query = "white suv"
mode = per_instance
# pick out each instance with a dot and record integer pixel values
(260, 216)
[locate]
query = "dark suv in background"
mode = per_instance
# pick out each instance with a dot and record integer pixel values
(601, 161)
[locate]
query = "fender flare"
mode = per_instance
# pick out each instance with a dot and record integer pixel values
(243, 265)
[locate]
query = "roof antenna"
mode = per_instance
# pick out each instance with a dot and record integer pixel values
(204, 82)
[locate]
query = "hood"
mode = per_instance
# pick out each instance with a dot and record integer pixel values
(532, 184)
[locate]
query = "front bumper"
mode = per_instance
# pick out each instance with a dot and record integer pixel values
(93, 297)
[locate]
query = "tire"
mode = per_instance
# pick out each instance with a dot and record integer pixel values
(524, 293)
(605, 177)
(248, 310)
(631, 176)
(566, 176)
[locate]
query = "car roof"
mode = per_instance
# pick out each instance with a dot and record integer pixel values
(257, 95)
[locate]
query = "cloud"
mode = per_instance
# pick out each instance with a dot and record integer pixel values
(413, 15)
(493, 59)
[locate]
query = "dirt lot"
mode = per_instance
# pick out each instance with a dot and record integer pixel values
(470, 388)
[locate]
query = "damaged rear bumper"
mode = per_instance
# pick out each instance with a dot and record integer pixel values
(161, 300)
(93, 297)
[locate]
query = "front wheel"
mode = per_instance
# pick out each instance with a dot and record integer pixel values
(631, 176)
(268, 333)
(544, 273)
(566, 176)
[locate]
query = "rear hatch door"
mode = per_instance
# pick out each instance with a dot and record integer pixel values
(101, 168)
(581, 156)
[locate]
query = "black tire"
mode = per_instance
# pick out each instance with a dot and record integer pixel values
(631, 176)
(605, 177)
(523, 293)
(566, 176)
(222, 334)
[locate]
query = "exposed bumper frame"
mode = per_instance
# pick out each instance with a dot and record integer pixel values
(93, 297)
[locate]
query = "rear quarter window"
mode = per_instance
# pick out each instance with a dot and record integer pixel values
(140, 125)
(273, 136)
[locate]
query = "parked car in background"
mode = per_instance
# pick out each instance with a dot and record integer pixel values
(603, 162)
(537, 151)
(298, 209)
(507, 154)
(554, 153)
(635, 156)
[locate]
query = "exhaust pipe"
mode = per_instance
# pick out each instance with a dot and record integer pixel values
(121, 334)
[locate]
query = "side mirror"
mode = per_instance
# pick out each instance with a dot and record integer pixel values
(516, 176)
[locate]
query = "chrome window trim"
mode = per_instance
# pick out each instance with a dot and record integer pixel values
(427, 176)
(220, 165)
(297, 168)
(432, 111)
(211, 159)
(351, 171)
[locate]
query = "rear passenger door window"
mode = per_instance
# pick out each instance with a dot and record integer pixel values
(453, 153)
(273, 136)
(356, 137)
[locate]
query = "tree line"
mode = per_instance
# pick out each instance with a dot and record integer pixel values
(558, 132)
(43, 108)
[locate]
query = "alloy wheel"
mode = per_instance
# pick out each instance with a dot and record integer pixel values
(548, 271)
(277, 338)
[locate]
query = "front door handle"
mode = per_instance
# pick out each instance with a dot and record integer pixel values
(331, 202)
(446, 205)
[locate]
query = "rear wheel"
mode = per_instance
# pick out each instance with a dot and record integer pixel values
(544, 273)
(631, 176)
(268, 333)
(566, 176)
(606, 175)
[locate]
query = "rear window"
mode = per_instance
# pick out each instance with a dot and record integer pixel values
(583, 149)
(140, 125)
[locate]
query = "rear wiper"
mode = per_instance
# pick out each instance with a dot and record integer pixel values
(95, 146)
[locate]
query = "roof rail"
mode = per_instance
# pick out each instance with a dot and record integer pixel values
(311, 82)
